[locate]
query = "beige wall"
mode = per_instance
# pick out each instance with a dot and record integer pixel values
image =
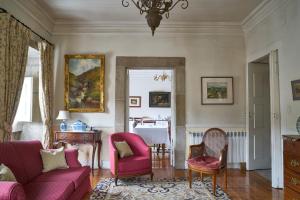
(205, 56)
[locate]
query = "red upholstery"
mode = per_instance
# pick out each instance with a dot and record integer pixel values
(139, 163)
(24, 159)
(11, 190)
(58, 190)
(76, 175)
(206, 162)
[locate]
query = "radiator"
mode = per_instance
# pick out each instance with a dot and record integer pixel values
(236, 144)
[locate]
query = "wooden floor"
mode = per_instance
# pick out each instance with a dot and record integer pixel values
(241, 185)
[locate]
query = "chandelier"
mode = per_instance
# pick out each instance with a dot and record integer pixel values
(163, 77)
(154, 9)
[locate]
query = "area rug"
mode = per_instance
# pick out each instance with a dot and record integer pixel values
(163, 189)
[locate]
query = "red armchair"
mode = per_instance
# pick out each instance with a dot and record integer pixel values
(209, 157)
(138, 164)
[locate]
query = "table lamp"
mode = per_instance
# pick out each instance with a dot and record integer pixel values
(63, 115)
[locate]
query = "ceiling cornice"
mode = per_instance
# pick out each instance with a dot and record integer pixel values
(263, 10)
(40, 15)
(95, 27)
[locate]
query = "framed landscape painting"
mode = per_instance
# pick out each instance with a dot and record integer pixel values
(84, 83)
(217, 90)
(296, 89)
(135, 101)
(160, 99)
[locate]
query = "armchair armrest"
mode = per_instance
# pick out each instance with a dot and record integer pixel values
(11, 191)
(223, 156)
(196, 150)
(72, 158)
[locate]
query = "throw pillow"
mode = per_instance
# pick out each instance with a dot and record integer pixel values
(6, 174)
(124, 149)
(53, 159)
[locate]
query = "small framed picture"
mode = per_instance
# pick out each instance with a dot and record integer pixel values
(160, 99)
(296, 89)
(135, 101)
(217, 91)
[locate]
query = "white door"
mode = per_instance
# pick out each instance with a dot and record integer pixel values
(259, 116)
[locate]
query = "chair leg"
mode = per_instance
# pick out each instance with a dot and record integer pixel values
(151, 176)
(201, 176)
(190, 178)
(116, 181)
(225, 178)
(214, 184)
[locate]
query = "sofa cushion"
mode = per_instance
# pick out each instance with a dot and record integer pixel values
(133, 163)
(76, 175)
(10, 158)
(59, 190)
(6, 174)
(29, 158)
(124, 149)
(206, 162)
(53, 159)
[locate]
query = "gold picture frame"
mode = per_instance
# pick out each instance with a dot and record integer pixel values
(84, 83)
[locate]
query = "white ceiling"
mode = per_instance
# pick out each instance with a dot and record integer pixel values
(112, 11)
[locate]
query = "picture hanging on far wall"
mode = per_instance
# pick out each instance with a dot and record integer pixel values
(160, 99)
(84, 83)
(135, 101)
(217, 90)
(296, 89)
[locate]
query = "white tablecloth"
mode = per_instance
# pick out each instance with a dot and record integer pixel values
(153, 134)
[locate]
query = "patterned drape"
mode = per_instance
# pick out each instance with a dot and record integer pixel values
(46, 91)
(14, 44)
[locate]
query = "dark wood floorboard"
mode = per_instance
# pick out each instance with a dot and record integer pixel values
(241, 185)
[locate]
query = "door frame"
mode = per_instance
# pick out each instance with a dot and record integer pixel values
(276, 140)
(177, 64)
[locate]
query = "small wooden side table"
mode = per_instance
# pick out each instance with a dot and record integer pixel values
(81, 137)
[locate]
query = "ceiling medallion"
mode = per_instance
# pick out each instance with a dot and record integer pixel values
(154, 9)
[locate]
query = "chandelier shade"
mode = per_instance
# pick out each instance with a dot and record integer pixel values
(155, 9)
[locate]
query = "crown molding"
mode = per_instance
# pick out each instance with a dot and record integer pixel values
(37, 13)
(96, 27)
(262, 11)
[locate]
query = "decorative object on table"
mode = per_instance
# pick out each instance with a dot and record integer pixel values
(154, 9)
(296, 89)
(143, 188)
(162, 77)
(79, 126)
(63, 115)
(135, 101)
(298, 125)
(160, 99)
(84, 83)
(217, 91)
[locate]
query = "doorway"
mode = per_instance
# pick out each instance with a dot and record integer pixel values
(264, 140)
(149, 110)
(259, 117)
(177, 64)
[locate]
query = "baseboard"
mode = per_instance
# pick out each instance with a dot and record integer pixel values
(105, 164)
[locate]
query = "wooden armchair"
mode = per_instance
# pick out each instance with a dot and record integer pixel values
(209, 157)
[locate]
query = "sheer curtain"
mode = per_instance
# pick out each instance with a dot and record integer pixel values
(14, 44)
(46, 91)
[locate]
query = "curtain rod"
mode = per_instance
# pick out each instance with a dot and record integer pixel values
(2, 10)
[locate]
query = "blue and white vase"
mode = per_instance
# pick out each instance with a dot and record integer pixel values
(298, 125)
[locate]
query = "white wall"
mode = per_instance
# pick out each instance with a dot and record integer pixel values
(141, 82)
(206, 55)
(281, 30)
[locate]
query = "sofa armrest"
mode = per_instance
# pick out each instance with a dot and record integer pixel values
(11, 191)
(72, 158)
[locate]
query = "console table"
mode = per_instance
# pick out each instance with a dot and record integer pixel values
(81, 137)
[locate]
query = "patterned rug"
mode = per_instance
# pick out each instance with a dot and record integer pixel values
(164, 189)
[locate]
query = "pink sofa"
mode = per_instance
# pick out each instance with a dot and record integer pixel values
(138, 164)
(24, 159)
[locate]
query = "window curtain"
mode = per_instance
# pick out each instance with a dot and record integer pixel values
(14, 44)
(46, 91)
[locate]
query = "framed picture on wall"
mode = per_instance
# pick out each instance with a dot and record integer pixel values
(135, 101)
(84, 83)
(217, 91)
(160, 99)
(296, 89)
